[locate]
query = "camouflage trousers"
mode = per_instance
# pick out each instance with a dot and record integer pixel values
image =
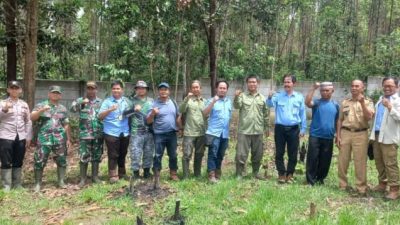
(42, 153)
(90, 150)
(142, 150)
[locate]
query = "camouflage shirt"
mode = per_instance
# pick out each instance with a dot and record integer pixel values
(90, 127)
(138, 119)
(50, 125)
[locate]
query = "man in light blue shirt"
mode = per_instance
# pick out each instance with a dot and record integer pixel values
(219, 111)
(116, 130)
(290, 123)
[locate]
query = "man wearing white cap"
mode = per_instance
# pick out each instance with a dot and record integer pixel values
(325, 113)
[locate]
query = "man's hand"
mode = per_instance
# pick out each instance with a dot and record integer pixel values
(386, 102)
(138, 108)
(271, 93)
(338, 142)
(301, 135)
(361, 99)
(45, 108)
(190, 94)
(216, 98)
(155, 111)
(6, 106)
(114, 107)
(238, 92)
(27, 144)
(85, 101)
(316, 85)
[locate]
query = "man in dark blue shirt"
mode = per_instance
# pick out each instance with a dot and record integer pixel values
(325, 113)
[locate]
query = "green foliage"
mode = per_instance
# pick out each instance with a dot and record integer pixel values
(110, 72)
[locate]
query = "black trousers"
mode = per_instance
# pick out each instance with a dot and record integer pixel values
(12, 153)
(286, 135)
(319, 157)
(117, 148)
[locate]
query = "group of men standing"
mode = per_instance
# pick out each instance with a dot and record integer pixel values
(149, 126)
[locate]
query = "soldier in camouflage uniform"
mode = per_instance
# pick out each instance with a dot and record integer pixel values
(90, 132)
(142, 142)
(53, 135)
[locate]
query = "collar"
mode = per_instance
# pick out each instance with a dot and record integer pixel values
(294, 94)
(248, 93)
(116, 100)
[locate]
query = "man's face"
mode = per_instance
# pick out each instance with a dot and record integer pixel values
(222, 89)
(252, 84)
(288, 84)
(326, 92)
(91, 91)
(389, 87)
(196, 89)
(54, 96)
(357, 87)
(141, 91)
(163, 92)
(117, 91)
(14, 91)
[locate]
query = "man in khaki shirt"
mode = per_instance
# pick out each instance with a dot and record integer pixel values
(194, 133)
(253, 123)
(352, 136)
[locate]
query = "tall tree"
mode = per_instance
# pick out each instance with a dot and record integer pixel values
(30, 51)
(10, 11)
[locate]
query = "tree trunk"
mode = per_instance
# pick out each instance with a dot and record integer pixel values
(211, 31)
(10, 9)
(30, 52)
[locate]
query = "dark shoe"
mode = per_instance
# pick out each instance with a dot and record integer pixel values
(17, 178)
(156, 179)
(146, 173)
(239, 170)
(83, 174)
(38, 180)
(136, 174)
(61, 176)
(393, 193)
(281, 179)
(6, 178)
(173, 176)
(211, 177)
(95, 173)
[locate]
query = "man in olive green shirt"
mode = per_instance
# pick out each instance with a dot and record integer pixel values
(193, 136)
(253, 123)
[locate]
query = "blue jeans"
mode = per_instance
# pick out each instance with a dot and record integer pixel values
(162, 141)
(216, 152)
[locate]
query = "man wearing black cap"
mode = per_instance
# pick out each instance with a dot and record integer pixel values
(163, 116)
(90, 132)
(142, 142)
(15, 135)
(53, 135)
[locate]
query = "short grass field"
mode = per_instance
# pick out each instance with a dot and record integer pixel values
(231, 201)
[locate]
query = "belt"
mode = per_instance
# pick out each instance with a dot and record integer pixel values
(354, 130)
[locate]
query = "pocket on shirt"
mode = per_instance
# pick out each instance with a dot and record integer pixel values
(296, 108)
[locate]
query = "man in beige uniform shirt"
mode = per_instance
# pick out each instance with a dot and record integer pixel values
(352, 136)
(15, 135)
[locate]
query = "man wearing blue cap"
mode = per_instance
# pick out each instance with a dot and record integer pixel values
(163, 116)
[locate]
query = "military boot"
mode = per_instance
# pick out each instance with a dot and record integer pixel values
(95, 172)
(83, 173)
(185, 168)
(6, 179)
(197, 164)
(16, 178)
(146, 173)
(61, 176)
(38, 179)
(156, 179)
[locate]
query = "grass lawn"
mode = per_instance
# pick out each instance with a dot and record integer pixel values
(231, 201)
